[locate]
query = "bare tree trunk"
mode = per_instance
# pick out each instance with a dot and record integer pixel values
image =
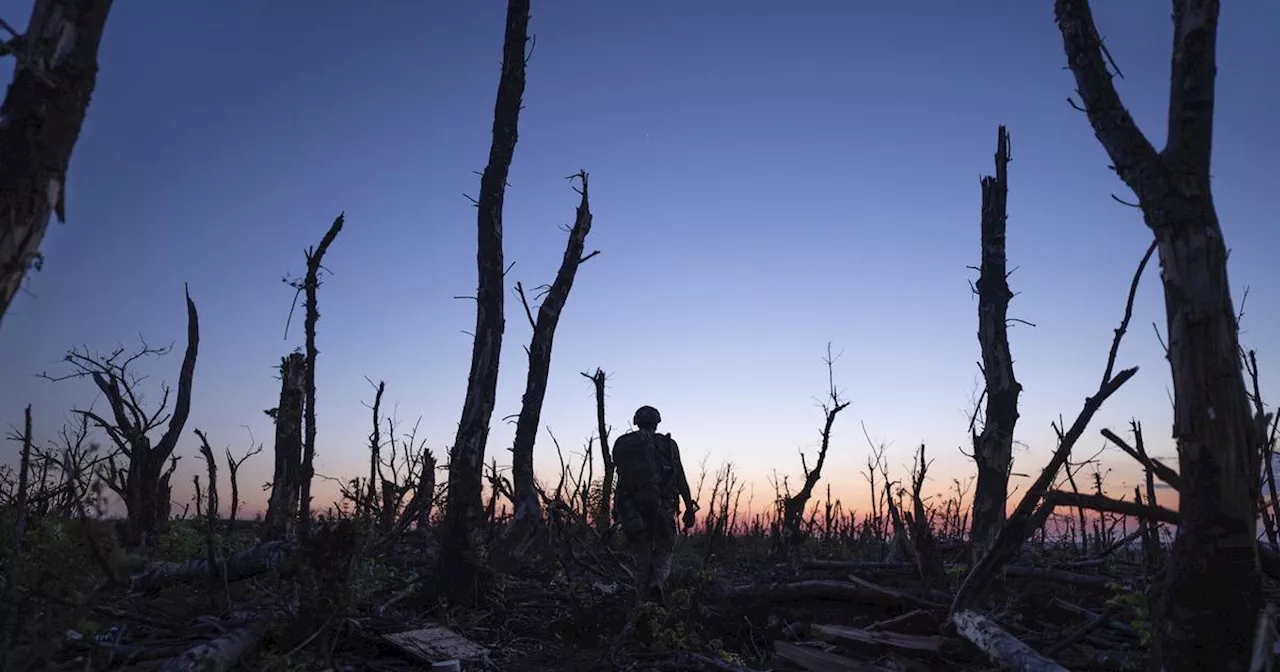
(233, 470)
(993, 448)
(1213, 584)
(40, 120)
(528, 508)
(310, 284)
(375, 452)
(286, 481)
(463, 515)
(426, 492)
(147, 496)
(604, 511)
(24, 470)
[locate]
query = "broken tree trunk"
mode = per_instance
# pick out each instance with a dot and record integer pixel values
(1029, 516)
(528, 507)
(286, 483)
(1212, 581)
(24, 472)
(144, 485)
(993, 447)
(604, 510)
(463, 509)
(310, 284)
(375, 456)
(54, 76)
(1002, 648)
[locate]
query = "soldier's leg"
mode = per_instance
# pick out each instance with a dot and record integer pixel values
(639, 543)
(663, 552)
(642, 558)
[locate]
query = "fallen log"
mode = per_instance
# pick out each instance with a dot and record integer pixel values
(815, 590)
(1095, 581)
(816, 660)
(899, 598)
(1005, 650)
(222, 653)
(884, 639)
(860, 566)
(267, 556)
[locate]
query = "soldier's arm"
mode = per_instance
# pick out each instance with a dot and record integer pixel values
(682, 483)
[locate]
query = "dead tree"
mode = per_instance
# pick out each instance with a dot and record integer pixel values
(309, 285)
(993, 447)
(233, 472)
(1029, 515)
(528, 508)
(604, 510)
(144, 484)
(1213, 585)
(375, 450)
(54, 76)
(463, 510)
(24, 472)
(286, 481)
(794, 505)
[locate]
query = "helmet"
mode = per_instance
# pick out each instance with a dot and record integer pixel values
(646, 416)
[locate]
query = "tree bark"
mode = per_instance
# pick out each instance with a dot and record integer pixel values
(463, 509)
(312, 283)
(40, 121)
(286, 481)
(1213, 583)
(528, 508)
(993, 448)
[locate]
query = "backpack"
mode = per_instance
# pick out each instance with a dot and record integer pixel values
(644, 466)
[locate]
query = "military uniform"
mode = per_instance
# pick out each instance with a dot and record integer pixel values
(650, 482)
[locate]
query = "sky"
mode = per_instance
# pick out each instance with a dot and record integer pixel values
(766, 178)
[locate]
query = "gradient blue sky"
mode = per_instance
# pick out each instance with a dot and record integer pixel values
(766, 177)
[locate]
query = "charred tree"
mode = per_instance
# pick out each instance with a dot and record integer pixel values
(528, 508)
(311, 283)
(1029, 515)
(604, 510)
(233, 472)
(286, 481)
(24, 473)
(993, 447)
(794, 505)
(54, 76)
(375, 451)
(1212, 582)
(144, 484)
(463, 509)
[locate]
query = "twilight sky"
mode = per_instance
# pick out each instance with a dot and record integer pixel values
(766, 177)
